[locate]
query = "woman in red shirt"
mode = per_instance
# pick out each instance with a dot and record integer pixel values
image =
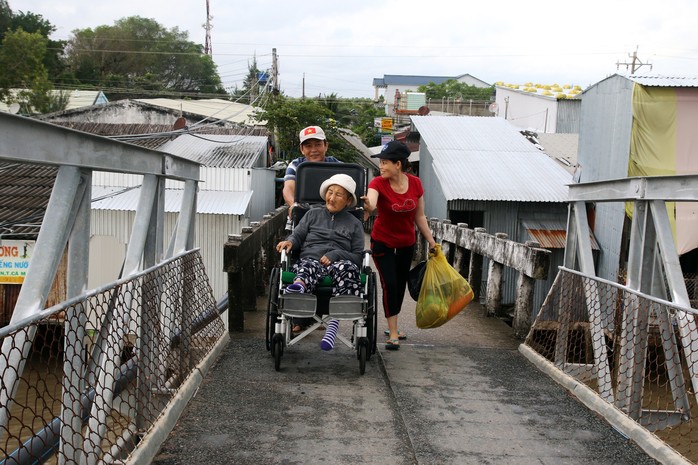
(399, 199)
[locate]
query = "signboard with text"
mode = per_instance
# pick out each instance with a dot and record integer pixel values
(14, 260)
(386, 139)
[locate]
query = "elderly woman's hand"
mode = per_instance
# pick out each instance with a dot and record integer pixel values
(284, 245)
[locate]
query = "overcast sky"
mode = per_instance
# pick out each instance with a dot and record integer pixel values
(339, 47)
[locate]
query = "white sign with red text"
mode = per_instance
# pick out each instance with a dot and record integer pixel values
(14, 260)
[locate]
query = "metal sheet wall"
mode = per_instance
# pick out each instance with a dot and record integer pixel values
(568, 113)
(264, 193)
(213, 179)
(504, 217)
(604, 132)
(434, 199)
(527, 111)
(210, 235)
(604, 147)
(609, 232)
(225, 179)
(499, 217)
(110, 178)
(556, 213)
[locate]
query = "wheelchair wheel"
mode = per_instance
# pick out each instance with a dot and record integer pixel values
(372, 315)
(272, 305)
(277, 350)
(362, 353)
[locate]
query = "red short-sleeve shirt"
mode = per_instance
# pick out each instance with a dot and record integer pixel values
(394, 225)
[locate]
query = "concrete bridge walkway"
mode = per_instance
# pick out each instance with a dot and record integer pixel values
(459, 394)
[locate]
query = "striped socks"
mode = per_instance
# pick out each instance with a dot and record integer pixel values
(327, 342)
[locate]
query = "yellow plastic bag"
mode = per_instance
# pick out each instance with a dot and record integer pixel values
(444, 292)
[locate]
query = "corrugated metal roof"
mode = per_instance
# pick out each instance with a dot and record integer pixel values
(208, 202)
(406, 80)
(653, 80)
(216, 109)
(24, 194)
(76, 98)
(664, 81)
(551, 234)
(486, 158)
(561, 147)
(153, 136)
(220, 151)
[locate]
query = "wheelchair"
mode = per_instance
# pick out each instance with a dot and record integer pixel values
(320, 307)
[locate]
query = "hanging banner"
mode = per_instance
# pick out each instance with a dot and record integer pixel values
(14, 260)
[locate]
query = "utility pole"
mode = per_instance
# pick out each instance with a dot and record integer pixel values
(303, 95)
(274, 72)
(208, 47)
(635, 64)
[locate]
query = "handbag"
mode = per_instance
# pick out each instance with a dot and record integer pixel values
(415, 279)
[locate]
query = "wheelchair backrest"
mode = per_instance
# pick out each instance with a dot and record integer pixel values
(311, 175)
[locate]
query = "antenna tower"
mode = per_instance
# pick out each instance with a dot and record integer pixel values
(635, 64)
(208, 49)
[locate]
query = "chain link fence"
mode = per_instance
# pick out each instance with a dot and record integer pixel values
(83, 382)
(636, 352)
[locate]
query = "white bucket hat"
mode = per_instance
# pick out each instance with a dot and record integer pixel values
(342, 180)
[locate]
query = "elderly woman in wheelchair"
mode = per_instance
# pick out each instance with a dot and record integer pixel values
(331, 243)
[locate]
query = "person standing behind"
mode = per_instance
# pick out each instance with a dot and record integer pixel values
(399, 199)
(314, 147)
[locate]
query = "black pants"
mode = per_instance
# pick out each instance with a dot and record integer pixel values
(393, 268)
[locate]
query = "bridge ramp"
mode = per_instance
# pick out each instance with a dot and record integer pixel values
(459, 394)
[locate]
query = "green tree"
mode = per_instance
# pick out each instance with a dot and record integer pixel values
(456, 90)
(285, 117)
(31, 22)
(358, 115)
(137, 57)
(22, 68)
(252, 85)
(5, 18)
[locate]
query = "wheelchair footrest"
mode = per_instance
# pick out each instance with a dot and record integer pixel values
(346, 307)
(299, 305)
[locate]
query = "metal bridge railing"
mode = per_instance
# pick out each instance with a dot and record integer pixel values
(637, 352)
(104, 366)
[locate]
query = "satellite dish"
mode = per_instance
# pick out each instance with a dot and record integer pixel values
(14, 108)
(493, 107)
(423, 110)
(180, 123)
